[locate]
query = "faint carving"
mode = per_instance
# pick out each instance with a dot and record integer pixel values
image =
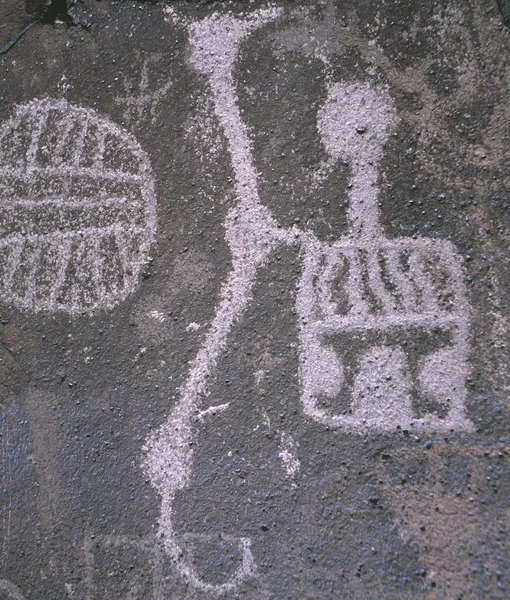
(117, 564)
(43, 417)
(148, 97)
(138, 568)
(287, 451)
(77, 209)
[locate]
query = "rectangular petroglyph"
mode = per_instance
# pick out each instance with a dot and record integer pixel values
(121, 566)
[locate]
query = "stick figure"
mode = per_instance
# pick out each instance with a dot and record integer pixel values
(378, 304)
(252, 235)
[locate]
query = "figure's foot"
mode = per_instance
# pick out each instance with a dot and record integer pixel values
(215, 563)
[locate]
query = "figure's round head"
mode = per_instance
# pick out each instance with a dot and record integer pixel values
(355, 121)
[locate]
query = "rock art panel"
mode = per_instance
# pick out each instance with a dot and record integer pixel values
(383, 322)
(77, 209)
(306, 396)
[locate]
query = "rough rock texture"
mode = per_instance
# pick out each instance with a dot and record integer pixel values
(311, 443)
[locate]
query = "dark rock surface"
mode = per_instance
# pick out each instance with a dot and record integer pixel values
(87, 380)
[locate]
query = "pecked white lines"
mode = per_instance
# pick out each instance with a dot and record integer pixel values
(252, 234)
(353, 123)
(77, 200)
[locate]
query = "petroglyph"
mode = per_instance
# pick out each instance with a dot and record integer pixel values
(383, 322)
(252, 234)
(121, 566)
(144, 103)
(138, 561)
(77, 209)
(382, 293)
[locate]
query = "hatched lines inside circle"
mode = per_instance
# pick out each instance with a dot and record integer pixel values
(77, 209)
(63, 141)
(71, 271)
(71, 139)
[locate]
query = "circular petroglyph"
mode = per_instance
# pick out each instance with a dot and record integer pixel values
(77, 209)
